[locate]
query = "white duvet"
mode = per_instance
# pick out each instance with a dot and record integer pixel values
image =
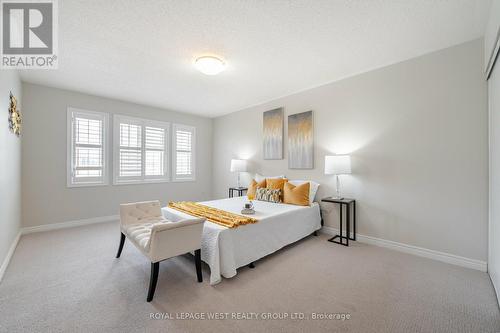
(225, 250)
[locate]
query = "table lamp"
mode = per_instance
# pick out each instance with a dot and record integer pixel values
(238, 166)
(337, 165)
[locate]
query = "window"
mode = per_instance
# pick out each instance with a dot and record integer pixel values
(87, 159)
(184, 149)
(140, 150)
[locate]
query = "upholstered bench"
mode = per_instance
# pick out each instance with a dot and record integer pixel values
(157, 238)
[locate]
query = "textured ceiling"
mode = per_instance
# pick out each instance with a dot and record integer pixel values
(142, 51)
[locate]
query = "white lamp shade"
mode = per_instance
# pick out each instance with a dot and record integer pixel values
(337, 165)
(238, 165)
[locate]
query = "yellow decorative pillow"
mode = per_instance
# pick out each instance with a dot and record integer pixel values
(296, 195)
(252, 188)
(275, 183)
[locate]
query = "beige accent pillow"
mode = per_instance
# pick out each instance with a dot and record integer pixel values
(267, 194)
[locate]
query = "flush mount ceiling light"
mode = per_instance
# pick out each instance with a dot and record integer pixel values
(209, 65)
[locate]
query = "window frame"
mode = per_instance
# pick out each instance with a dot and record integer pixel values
(143, 178)
(191, 129)
(71, 181)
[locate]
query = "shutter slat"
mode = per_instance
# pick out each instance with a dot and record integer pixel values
(130, 164)
(155, 138)
(154, 163)
(88, 157)
(130, 135)
(154, 159)
(183, 144)
(130, 160)
(88, 131)
(88, 173)
(183, 140)
(183, 166)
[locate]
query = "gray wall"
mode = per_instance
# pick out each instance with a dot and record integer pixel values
(417, 132)
(491, 33)
(10, 165)
(46, 199)
(494, 130)
(494, 231)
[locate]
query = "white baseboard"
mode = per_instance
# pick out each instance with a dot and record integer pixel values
(415, 250)
(49, 227)
(9, 255)
(69, 224)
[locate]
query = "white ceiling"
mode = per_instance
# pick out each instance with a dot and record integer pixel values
(142, 51)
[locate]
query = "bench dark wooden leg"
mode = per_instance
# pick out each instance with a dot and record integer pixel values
(197, 259)
(251, 265)
(155, 267)
(120, 248)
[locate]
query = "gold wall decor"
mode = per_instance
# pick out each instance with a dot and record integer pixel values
(14, 116)
(273, 135)
(300, 141)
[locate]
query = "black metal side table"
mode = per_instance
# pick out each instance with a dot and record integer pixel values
(344, 240)
(240, 191)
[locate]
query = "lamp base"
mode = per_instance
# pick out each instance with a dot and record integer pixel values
(337, 195)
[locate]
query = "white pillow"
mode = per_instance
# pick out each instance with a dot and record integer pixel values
(258, 178)
(313, 187)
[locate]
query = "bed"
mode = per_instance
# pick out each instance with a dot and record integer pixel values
(225, 250)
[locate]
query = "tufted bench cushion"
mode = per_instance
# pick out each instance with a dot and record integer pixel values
(140, 212)
(140, 233)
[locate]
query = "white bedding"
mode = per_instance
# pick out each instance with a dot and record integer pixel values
(225, 250)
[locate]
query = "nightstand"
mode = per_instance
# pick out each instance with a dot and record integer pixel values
(344, 240)
(239, 190)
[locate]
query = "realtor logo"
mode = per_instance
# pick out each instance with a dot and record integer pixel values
(29, 34)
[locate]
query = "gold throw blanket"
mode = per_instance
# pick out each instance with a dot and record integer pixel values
(214, 215)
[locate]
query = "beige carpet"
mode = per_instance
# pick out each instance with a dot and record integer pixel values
(68, 280)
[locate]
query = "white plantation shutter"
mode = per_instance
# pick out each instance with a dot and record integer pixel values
(184, 142)
(155, 151)
(140, 150)
(130, 154)
(86, 148)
